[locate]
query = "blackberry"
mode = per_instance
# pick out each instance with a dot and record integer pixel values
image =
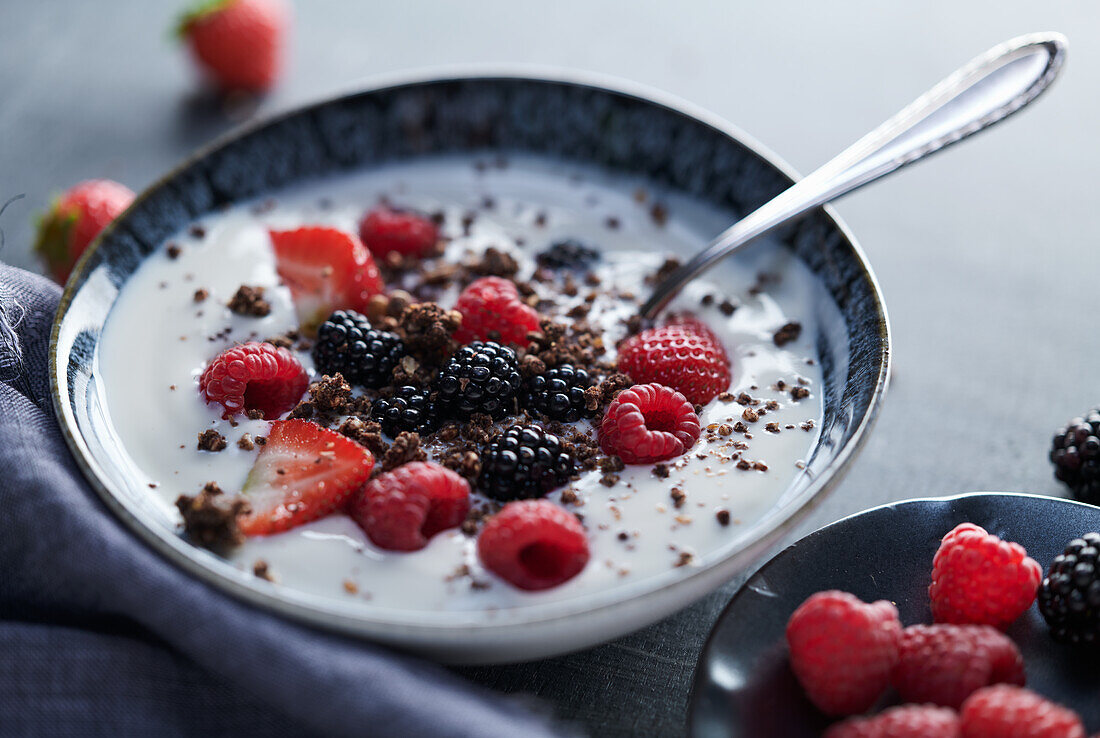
(409, 409)
(524, 461)
(1076, 456)
(1069, 597)
(559, 393)
(567, 254)
(481, 377)
(347, 343)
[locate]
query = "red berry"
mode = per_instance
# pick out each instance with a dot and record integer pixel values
(238, 43)
(303, 472)
(978, 578)
(326, 270)
(75, 219)
(685, 356)
(254, 376)
(493, 304)
(842, 650)
(907, 721)
(647, 423)
(534, 544)
(402, 509)
(945, 664)
(384, 231)
(1004, 711)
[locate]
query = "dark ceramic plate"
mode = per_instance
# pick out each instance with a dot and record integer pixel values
(743, 684)
(572, 119)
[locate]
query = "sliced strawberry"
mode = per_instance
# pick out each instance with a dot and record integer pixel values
(326, 270)
(304, 472)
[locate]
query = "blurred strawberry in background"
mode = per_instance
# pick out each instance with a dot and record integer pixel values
(237, 43)
(75, 219)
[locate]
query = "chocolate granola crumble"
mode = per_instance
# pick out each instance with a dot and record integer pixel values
(405, 448)
(250, 302)
(210, 518)
(211, 440)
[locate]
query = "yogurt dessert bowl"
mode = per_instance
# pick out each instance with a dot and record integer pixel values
(413, 400)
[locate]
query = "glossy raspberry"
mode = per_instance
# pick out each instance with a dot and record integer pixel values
(842, 650)
(945, 664)
(1069, 597)
(1075, 453)
(978, 578)
(75, 219)
(648, 423)
(238, 43)
(346, 343)
(685, 356)
(1004, 711)
(479, 378)
(384, 230)
(533, 544)
(401, 510)
(254, 376)
(492, 305)
(558, 393)
(409, 409)
(524, 461)
(906, 721)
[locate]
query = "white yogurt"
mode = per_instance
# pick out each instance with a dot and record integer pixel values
(157, 340)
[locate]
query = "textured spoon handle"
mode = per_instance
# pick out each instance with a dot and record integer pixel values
(986, 91)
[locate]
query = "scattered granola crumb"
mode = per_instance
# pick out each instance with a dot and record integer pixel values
(262, 570)
(723, 517)
(331, 394)
(211, 440)
(210, 518)
(464, 461)
(750, 415)
(249, 301)
(678, 497)
(772, 427)
(351, 587)
(245, 443)
(609, 480)
(684, 559)
(787, 333)
(807, 425)
(174, 251)
(727, 308)
(366, 433)
(660, 471)
(659, 213)
(725, 429)
(798, 393)
(255, 414)
(759, 466)
(201, 294)
(725, 397)
(494, 263)
(405, 448)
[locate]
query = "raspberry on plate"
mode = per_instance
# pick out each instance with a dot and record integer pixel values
(648, 423)
(842, 650)
(524, 461)
(326, 270)
(685, 356)
(1069, 597)
(75, 219)
(533, 544)
(254, 376)
(304, 472)
(492, 304)
(1004, 711)
(402, 509)
(238, 43)
(945, 664)
(906, 721)
(384, 230)
(978, 578)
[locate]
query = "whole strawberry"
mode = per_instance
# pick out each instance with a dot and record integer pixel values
(1003, 711)
(906, 721)
(842, 650)
(238, 43)
(978, 578)
(75, 219)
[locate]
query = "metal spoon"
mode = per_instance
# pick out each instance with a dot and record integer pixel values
(986, 91)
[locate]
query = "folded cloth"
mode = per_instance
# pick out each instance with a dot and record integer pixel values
(99, 635)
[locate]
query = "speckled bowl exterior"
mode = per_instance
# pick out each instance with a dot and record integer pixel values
(567, 117)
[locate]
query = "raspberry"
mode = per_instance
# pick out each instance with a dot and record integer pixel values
(533, 544)
(647, 423)
(907, 721)
(524, 461)
(384, 231)
(1075, 453)
(346, 343)
(409, 409)
(254, 376)
(479, 378)
(978, 578)
(842, 650)
(685, 356)
(559, 393)
(1069, 597)
(945, 664)
(402, 509)
(1003, 711)
(492, 305)
(567, 254)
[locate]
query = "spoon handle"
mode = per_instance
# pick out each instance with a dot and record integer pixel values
(986, 91)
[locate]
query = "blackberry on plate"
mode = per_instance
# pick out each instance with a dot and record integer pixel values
(524, 461)
(409, 409)
(481, 377)
(1076, 456)
(347, 343)
(559, 393)
(567, 254)
(1069, 597)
